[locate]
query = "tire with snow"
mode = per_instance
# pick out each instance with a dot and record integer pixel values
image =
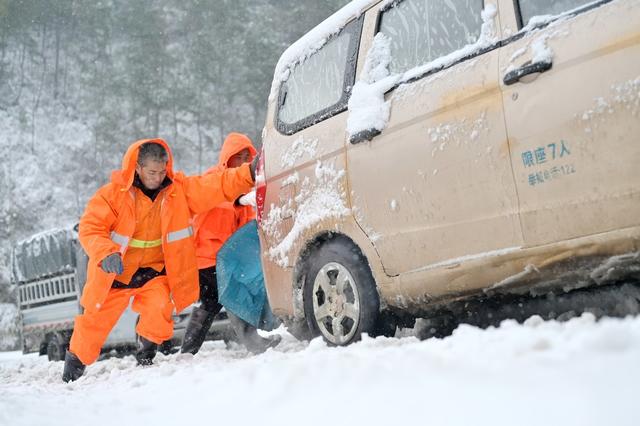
(340, 297)
(56, 347)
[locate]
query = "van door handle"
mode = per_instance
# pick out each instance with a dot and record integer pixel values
(514, 76)
(364, 136)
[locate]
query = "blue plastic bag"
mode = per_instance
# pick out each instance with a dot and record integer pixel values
(240, 280)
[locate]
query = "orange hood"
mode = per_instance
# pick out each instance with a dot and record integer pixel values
(233, 144)
(125, 176)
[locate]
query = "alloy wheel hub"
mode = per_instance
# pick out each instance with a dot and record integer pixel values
(336, 304)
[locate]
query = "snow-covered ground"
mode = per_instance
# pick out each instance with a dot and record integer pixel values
(581, 372)
(8, 327)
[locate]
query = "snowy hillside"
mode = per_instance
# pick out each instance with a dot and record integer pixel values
(540, 373)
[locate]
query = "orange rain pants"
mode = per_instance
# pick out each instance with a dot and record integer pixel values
(151, 301)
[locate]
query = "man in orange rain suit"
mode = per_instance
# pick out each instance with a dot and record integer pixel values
(212, 229)
(138, 235)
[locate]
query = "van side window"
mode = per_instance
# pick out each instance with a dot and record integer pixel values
(423, 30)
(319, 87)
(531, 8)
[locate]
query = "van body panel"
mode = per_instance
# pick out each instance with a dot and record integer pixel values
(290, 168)
(438, 184)
(574, 129)
(284, 284)
(565, 265)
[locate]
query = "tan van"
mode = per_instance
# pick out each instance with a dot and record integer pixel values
(428, 158)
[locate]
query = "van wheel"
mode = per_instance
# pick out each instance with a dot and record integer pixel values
(56, 347)
(340, 297)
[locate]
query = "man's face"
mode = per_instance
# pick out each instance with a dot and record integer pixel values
(152, 173)
(239, 159)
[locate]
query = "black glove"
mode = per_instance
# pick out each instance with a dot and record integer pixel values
(252, 167)
(112, 264)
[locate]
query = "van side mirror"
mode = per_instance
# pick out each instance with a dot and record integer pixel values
(364, 136)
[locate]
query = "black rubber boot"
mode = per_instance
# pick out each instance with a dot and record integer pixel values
(248, 335)
(73, 368)
(146, 351)
(197, 330)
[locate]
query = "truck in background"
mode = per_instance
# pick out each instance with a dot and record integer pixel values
(49, 270)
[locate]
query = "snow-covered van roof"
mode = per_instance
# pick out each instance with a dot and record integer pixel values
(44, 254)
(315, 39)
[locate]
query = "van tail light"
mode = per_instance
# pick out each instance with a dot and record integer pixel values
(261, 187)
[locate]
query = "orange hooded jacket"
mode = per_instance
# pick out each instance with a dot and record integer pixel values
(109, 221)
(214, 227)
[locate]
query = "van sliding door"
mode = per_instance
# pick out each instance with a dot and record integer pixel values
(571, 89)
(437, 184)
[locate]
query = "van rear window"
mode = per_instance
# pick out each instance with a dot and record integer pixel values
(424, 30)
(318, 83)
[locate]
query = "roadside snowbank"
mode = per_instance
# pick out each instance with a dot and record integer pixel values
(581, 372)
(9, 331)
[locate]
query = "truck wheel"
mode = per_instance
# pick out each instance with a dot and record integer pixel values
(340, 297)
(56, 347)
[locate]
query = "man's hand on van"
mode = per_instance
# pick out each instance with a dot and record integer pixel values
(112, 264)
(248, 199)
